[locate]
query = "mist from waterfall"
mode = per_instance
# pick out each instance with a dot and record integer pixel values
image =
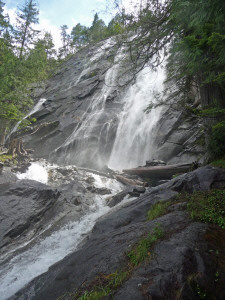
(134, 143)
(84, 143)
(92, 143)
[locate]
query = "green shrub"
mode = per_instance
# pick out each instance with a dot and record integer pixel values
(217, 140)
(108, 284)
(141, 251)
(5, 157)
(218, 163)
(208, 207)
(157, 210)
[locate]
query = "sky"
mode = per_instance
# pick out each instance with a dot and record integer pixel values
(54, 13)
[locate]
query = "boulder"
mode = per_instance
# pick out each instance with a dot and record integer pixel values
(99, 191)
(23, 204)
(155, 162)
(113, 201)
(180, 261)
(1, 167)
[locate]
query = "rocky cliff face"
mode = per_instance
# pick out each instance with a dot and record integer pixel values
(86, 119)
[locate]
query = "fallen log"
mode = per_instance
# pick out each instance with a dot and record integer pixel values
(127, 181)
(159, 172)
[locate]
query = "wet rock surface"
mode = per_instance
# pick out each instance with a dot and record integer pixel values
(30, 209)
(182, 135)
(81, 110)
(24, 207)
(178, 259)
(70, 101)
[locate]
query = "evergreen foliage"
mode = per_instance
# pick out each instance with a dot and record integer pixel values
(24, 59)
(190, 34)
(66, 49)
(79, 35)
(97, 30)
(217, 141)
(27, 16)
(82, 35)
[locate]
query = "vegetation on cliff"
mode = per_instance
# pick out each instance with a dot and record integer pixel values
(188, 34)
(25, 58)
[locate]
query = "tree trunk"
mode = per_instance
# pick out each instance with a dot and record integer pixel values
(16, 148)
(211, 95)
(3, 130)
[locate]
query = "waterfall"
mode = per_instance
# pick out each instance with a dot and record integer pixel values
(117, 132)
(84, 143)
(36, 108)
(121, 135)
(134, 142)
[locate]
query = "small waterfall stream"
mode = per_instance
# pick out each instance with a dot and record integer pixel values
(36, 108)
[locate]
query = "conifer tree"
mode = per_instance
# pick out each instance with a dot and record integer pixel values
(3, 21)
(27, 17)
(97, 29)
(80, 35)
(66, 48)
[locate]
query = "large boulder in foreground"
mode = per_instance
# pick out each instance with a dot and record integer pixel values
(23, 205)
(182, 263)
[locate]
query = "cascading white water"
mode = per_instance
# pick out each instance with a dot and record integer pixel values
(89, 119)
(93, 137)
(134, 143)
(22, 268)
(31, 112)
(35, 172)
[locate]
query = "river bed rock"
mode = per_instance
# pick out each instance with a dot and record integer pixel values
(31, 209)
(180, 262)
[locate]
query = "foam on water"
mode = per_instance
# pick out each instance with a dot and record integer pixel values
(109, 183)
(37, 172)
(35, 261)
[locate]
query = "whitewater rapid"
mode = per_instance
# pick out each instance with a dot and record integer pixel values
(24, 267)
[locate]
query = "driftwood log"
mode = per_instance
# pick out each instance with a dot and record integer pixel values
(159, 172)
(128, 181)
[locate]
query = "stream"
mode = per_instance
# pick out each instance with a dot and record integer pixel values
(22, 268)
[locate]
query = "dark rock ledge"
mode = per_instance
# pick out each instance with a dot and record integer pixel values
(181, 256)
